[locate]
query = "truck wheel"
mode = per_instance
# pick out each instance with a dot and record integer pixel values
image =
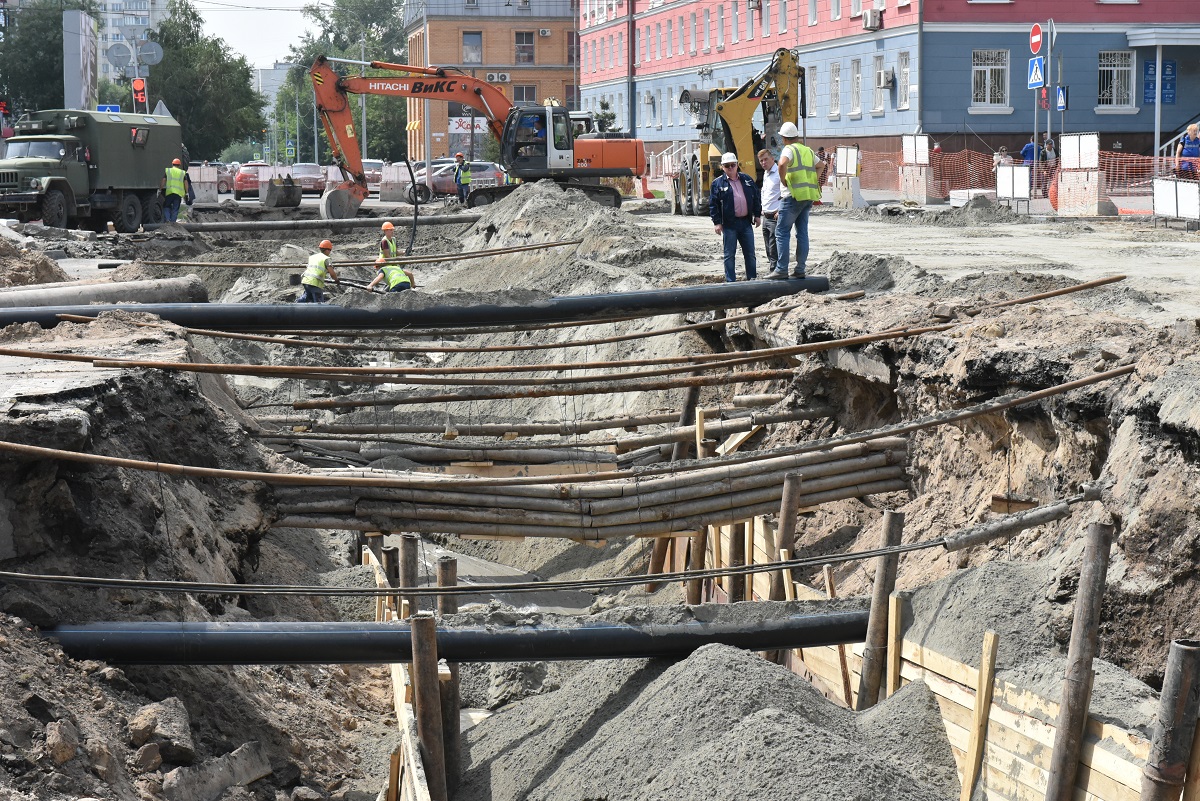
(480, 197)
(152, 208)
(237, 195)
(54, 209)
(689, 191)
(423, 193)
(128, 214)
(697, 191)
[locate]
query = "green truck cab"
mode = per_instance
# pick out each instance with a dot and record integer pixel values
(71, 167)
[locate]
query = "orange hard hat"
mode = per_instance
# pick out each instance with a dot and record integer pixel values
(387, 226)
(325, 245)
(381, 261)
(176, 162)
(459, 156)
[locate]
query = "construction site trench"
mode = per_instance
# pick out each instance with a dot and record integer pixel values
(908, 424)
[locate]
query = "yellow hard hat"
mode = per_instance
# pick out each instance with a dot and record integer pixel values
(325, 245)
(387, 226)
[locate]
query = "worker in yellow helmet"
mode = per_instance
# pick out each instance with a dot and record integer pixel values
(313, 280)
(398, 279)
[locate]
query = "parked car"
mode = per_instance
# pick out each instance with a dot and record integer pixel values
(310, 177)
(245, 182)
(224, 174)
(482, 173)
(373, 170)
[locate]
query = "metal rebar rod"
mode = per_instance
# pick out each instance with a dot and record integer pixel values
(1175, 725)
(1077, 686)
(875, 650)
(1051, 294)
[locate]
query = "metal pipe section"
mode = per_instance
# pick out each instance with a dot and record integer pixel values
(319, 225)
(251, 316)
(185, 289)
(1175, 727)
(155, 643)
(1009, 525)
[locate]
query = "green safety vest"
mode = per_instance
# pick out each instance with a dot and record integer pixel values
(175, 184)
(314, 274)
(462, 173)
(801, 176)
(395, 275)
(391, 249)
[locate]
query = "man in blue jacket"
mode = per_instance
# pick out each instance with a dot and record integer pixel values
(735, 207)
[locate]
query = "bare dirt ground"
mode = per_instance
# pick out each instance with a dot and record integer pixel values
(71, 729)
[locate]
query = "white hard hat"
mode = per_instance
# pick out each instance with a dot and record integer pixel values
(789, 130)
(728, 158)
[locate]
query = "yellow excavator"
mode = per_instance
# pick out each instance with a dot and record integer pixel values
(742, 121)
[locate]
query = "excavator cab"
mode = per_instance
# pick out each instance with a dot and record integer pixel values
(537, 141)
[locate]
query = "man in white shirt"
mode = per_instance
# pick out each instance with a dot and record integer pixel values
(770, 202)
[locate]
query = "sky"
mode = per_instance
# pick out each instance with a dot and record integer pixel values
(261, 30)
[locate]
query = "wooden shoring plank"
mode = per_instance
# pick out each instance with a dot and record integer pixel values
(831, 593)
(980, 714)
(1191, 781)
(393, 787)
(895, 636)
(415, 785)
(716, 540)
(735, 441)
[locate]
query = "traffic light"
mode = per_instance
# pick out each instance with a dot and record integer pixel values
(139, 90)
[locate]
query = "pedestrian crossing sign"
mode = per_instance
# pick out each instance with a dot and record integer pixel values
(1037, 72)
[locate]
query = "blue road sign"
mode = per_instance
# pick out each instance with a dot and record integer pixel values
(1037, 72)
(114, 109)
(1062, 99)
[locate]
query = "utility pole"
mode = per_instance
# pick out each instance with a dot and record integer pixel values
(362, 99)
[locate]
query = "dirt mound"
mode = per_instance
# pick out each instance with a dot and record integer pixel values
(850, 271)
(26, 267)
(739, 727)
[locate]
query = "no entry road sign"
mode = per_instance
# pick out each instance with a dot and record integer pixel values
(1035, 39)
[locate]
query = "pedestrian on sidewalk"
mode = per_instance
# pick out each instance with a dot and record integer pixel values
(798, 171)
(735, 206)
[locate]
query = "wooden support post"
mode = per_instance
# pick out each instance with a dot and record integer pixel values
(410, 555)
(1175, 728)
(1191, 784)
(427, 699)
(1077, 686)
(718, 556)
(876, 645)
(709, 449)
(374, 541)
(895, 620)
(699, 433)
(447, 576)
(393, 788)
(391, 567)
(737, 557)
(789, 581)
(785, 538)
(750, 538)
(658, 557)
(831, 593)
(979, 716)
(695, 587)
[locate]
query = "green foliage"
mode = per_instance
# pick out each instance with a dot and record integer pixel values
(605, 117)
(31, 53)
(110, 93)
(206, 87)
(349, 29)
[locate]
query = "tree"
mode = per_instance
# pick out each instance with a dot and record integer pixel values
(31, 53)
(605, 117)
(109, 93)
(206, 87)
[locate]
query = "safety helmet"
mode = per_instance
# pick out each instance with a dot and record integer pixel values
(789, 131)
(379, 262)
(175, 162)
(729, 158)
(459, 156)
(387, 226)
(325, 245)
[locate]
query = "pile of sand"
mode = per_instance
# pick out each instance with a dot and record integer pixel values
(25, 267)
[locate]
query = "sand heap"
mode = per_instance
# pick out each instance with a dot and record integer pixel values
(24, 267)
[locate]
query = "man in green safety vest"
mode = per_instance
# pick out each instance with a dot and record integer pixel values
(313, 280)
(462, 177)
(398, 279)
(174, 185)
(798, 170)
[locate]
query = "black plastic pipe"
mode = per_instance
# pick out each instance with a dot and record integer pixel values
(314, 316)
(154, 643)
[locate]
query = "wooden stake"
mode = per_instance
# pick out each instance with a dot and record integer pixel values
(785, 538)
(695, 587)
(895, 620)
(718, 559)
(875, 649)
(427, 699)
(447, 576)
(393, 788)
(410, 545)
(699, 433)
(831, 593)
(737, 558)
(980, 715)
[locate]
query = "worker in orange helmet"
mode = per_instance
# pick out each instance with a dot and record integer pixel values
(313, 280)
(387, 246)
(398, 279)
(174, 185)
(462, 177)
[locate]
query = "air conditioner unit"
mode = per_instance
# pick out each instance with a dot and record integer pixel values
(503, 77)
(754, 5)
(885, 79)
(872, 19)
(543, 31)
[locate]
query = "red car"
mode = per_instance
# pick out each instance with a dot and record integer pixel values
(246, 180)
(310, 177)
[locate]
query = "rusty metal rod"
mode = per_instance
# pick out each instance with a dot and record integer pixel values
(563, 429)
(1051, 294)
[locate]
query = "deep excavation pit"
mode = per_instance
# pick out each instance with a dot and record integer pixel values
(722, 723)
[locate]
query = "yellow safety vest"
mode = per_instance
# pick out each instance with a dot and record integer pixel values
(175, 185)
(391, 251)
(462, 173)
(801, 176)
(314, 274)
(395, 275)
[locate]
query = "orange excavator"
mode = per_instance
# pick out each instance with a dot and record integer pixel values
(535, 141)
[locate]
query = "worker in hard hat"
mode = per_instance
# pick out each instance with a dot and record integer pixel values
(462, 177)
(398, 279)
(313, 280)
(798, 171)
(387, 246)
(174, 186)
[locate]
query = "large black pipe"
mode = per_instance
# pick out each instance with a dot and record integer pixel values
(310, 316)
(154, 643)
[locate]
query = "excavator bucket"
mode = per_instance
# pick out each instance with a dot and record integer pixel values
(282, 193)
(339, 204)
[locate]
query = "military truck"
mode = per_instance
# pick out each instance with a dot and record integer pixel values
(71, 167)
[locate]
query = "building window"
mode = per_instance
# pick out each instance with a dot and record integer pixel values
(736, 21)
(524, 53)
(572, 47)
(766, 17)
(810, 91)
(649, 44)
(855, 8)
(707, 29)
(835, 89)
(670, 38)
(525, 95)
(812, 12)
(658, 48)
(692, 37)
(782, 16)
(682, 37)
(472, 47)
(835, 9)
(989, 77)
(1116, 78)
(856, 87)
(619, 53)
(603, 54)
(721, 25)
(877, 100)
(902, 68)
(638, 58)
